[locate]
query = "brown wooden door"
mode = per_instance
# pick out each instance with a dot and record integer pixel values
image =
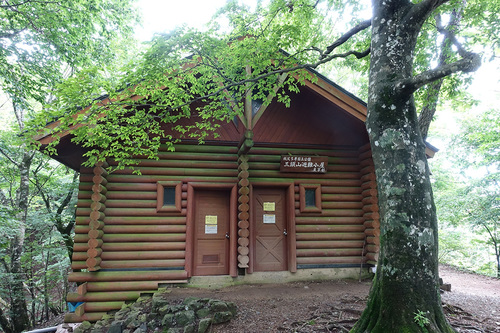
(270, 224)
(211, 232)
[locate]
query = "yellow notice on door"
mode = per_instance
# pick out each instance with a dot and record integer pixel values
(210, 224)
(269, 206)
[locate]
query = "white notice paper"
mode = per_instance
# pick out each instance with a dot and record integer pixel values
(269, 218)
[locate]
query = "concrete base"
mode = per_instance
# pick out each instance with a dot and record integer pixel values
(312, 274)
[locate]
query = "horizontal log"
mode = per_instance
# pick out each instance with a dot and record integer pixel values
(328, 175)
(371, 192)
(372, 257)
(336, 212)
(365, 162)
(91, 316)
(370, 208)
(372, 232)
(373, 240)
(365, 155)
(102, 306)
(144, 220)
(99, 188)
(98, 197)
(329, 260)
(372, 248)
(97, 206)
(172, 163)
(127, 276)
(330, 236)
(375, 224)
(372, 184)
(195, 147)
(97, 234)
(140, 229)
(328, 252)
(131, 203)
(364, 148)
(331, 167)
(341, 205)
(104, 296)
(371, 216)
(368, 177)
(119, 178)
(129, 246)
(93, 262)
(341, 197)
(332, 153)
(80, 238)
(93, 252)
(158, 171)
(99, 180)
(328, 220)
(93, 243)
(95, 225)
(144, 255)
(329, 228)
(372, 200)
(330, 244)
(123, 286)
(115, 264)
(367, 169)
(136, 186)
(99, 170)
(340, 190)
(84, 194)
(138, 212)
(136, 195)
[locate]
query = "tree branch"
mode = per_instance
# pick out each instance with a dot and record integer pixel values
(9, 158)
(345, 37)
(466, 65)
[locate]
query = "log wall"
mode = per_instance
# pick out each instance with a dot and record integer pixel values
(134, 248)
(124, 246)
(335, 235)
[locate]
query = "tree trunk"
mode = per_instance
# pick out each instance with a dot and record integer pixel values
(406, 282)
(18, 309)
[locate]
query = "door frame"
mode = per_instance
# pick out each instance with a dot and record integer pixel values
(290, 223)
(233, 225)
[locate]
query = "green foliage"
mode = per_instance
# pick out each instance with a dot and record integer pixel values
(421, 319)
(467, 196)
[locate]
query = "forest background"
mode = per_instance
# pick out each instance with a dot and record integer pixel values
(37, 195)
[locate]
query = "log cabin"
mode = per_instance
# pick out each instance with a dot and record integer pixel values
(281, 194)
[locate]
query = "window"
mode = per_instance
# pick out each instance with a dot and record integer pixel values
(310, 198)
(168, 197)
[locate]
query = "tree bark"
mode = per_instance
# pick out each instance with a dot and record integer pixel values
(406, 281)
(18, 310)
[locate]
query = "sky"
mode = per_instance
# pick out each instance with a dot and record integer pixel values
(165, 15)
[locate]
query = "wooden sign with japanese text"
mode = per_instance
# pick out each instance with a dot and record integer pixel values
(307, 164)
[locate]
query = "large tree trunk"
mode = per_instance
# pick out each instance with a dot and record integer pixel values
(406, 282)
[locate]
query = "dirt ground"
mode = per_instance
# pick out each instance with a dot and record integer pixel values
(473, 305)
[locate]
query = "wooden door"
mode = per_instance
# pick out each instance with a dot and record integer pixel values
(270, 229)
(211, 232)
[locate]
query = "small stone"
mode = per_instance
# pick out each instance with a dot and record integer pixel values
(167, 320)
(232, 308)
(222, 317)
(202, 313)
(115, 328)
(184, 318)
(189, 329)
(204, 325)
(217, 306)
(83, 327)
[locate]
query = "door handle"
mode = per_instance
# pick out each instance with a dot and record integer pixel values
(227, 235)
(284, 232)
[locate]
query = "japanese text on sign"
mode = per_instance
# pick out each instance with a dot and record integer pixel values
(308, 164)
